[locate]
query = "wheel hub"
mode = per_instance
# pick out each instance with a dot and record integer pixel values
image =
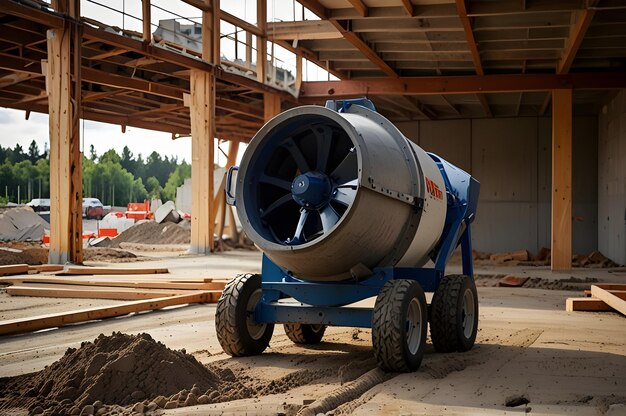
(311, 190)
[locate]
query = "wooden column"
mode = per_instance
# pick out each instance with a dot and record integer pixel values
(561, 179)
(202, 116)
(298, 72)
(146, 17)
(221, 207)
(271, 105)
(64, 93)
(261, 41)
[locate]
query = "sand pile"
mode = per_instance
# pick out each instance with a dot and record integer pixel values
(151, 232)
(32, 256)
(113, 371)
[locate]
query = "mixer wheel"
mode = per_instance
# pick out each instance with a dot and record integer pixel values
(305, 333)
(399, 325)
(237, 331)
(454, 314)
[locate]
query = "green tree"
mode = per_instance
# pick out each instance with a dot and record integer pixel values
(33, 152)
(153, 187)
(93, 156)
(176, 179)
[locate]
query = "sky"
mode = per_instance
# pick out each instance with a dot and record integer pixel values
(15, 129)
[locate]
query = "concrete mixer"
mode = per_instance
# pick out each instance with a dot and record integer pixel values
(345, 208)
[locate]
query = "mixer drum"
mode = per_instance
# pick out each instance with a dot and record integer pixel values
(331, 195)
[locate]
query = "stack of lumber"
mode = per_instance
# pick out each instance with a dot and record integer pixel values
(601, 297)
(139, 286)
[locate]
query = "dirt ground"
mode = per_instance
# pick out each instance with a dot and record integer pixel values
(528, 350)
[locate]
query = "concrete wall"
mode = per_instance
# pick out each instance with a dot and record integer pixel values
(612, 179)
(511, 157)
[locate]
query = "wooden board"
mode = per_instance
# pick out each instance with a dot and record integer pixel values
(41, 268)
(609, 298)
(15, 326)
(119, 283)
(586, 305)
(13, 269)
(90, 292)
(76, 271)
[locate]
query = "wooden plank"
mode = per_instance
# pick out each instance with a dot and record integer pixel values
(16, 326)
(13, 269)
(561, 180)
(613, 300)
(408, 7)
(41, 268)
(586, 305)
(90, 292)
(217, 285)
(77, 271)
(612, 286)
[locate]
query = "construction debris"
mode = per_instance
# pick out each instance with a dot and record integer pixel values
(22, 224)
(520, 255)
(167, 213)
(512, 281)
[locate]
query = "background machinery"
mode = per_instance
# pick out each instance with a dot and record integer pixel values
(345, 208)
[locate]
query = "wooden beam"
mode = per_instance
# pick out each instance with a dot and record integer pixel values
(202, 133)
(562, 180)
(64, 106)
(261, 41)
(577, 34)
(519, 104)
(13, 269)
(469, 35)
(220, 198)
(463, 84)
(611, 299)
(271, 106)
(586, 305)
(48, 290)
(88, 271)
(137, 284)
(299, 74)
(408, 7)
(471, 43)
(35, 323)
(359, 7)
(146, 19)
(449, 104)
(350, 36)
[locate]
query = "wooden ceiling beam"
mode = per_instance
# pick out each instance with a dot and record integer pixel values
(359, 7)
(463, 84)
(450, 105)
(408, 7)
(577, 34)
(471, 43)
(350, 36)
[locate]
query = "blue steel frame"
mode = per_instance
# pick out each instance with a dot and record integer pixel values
(325, 302)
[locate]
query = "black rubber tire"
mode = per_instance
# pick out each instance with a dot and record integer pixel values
(232, 318)
(447, 316)
(389, 326)
(305, 333)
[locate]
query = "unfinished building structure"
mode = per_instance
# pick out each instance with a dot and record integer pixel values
(475, 81)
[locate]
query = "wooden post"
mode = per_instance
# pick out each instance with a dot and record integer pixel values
(261, 41)
(298, 72)
(249, 49)
(146, 17)
(63, 83)
(202, 116)
(561, 180)
(271, 105)
(220, 198)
